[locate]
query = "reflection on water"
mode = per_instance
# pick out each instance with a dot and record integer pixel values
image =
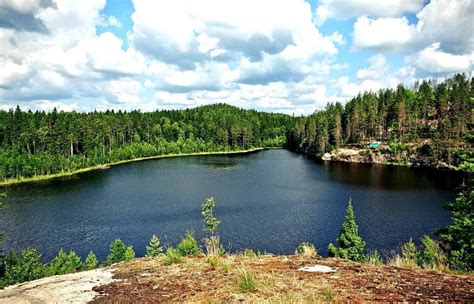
(271, 200)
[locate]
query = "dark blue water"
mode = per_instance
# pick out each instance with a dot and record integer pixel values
(271, 200)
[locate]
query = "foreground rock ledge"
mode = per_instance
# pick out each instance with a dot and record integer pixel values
(278, 280)
(68, 288)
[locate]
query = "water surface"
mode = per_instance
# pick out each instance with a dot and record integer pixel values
(270, 200)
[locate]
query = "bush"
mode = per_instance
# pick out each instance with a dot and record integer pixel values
(172, 256)
(155, 248)
(91, 261)
(129, 253)
(247, 281)
(213, 261)
(409, 251)
(249, 253)
(189, 246)
(64, 263)
(24, 267)
(349, 244)
(431, 255)
(119, 252)
(374, 258)
(457, 239)
(306, 249)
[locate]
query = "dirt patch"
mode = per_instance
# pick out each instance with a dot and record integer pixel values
(279, 280)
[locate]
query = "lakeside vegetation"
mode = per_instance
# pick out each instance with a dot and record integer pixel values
(454, 252)
(33, 144)
(430, 124)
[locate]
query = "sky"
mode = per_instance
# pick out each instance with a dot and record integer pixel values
(287, 56)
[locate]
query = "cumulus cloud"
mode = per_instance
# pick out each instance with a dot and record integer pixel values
(433, 60)
(383, 34)
(440, 21)
(19, 15)
(343, 9)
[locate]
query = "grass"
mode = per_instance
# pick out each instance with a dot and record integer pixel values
(213, 261)
(38, 178)
(247, 280)
(172, 256)
(306, 250)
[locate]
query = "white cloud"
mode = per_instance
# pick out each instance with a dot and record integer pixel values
(385, 34)
(376, 70)
(440, 21)
(185, 33)
(433, 60)
(344, 9)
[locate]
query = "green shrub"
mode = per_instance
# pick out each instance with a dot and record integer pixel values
(119, 252)
(349, 244)
(374, 258)
(64, 263)
(24, 267)
(431, 255)
(188, 246)
(247, 281)
(306, 249)
(249, 253)
(155, 248)
(172, 256)
(213, 261)
(129, 253)
(91, 261)
(457, 239)
(409, 251)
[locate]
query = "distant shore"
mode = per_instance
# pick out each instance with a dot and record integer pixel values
(38, 178)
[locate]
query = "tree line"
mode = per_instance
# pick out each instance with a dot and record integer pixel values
(39, 143)
(437, 116)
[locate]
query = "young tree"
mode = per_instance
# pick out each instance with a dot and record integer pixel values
(91, 261)
(119, 252)
(154, 248)
(457, 239)
(213, 246)
(349, 244)
(23, 267)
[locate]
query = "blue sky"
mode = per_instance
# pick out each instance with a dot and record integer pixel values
(287, 56)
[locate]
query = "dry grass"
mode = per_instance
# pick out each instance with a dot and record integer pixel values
(277, 280)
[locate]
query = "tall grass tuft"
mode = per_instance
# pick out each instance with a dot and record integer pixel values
(247, 280)
(172, 256)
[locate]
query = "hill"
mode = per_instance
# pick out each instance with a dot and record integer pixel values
(278, 280)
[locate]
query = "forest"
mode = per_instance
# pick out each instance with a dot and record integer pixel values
(39, 143)
(436, 119)
(433, 120)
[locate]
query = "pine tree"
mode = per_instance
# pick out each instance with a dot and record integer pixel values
(349, 244)
(91, 261)
(457, 239)
(155, 248)
(117, 252)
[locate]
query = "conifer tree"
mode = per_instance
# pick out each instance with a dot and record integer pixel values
(155, 248)
(349, 244)
(457, 239)
(91, 261)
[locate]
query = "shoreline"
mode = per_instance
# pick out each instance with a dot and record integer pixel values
(39, 178)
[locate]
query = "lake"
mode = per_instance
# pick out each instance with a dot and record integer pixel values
(270, 200)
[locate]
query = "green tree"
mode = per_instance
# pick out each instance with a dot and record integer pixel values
(207, 211)
(213, 246)
(154, 248)
(64, 263)
(24, 267)
(91, 261)
(349, 244)
(188, 245)
(119, 252)
(457, 239)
